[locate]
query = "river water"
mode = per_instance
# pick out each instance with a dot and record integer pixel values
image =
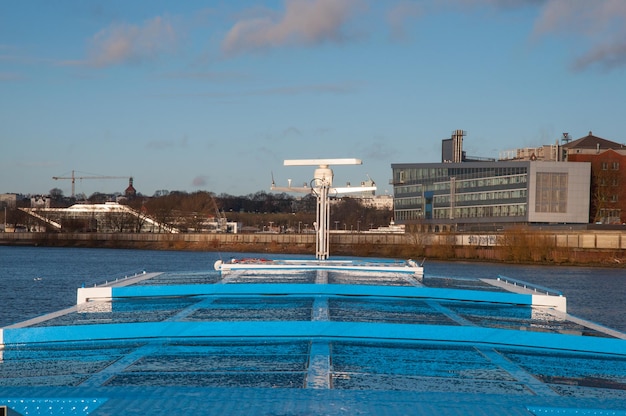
(39, 280)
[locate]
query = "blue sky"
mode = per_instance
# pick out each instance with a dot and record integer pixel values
(214, 95)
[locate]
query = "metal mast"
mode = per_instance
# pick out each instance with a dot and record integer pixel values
(322, 187)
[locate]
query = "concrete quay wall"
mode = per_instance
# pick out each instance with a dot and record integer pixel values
(582, 240)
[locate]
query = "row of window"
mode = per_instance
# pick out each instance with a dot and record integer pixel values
(408, 214)
(610, 213)
(492, 211)
(433, 174)
(482, 182)
(513, 210)
(611, 198)
(612, 181)
(614, 165)
(466, 184)
(407, 189)
(407, 202)
(444, 200)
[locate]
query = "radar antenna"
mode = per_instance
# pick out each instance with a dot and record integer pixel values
(322, 187)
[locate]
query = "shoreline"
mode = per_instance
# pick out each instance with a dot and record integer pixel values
(519, 248)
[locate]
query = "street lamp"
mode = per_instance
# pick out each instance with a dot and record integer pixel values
(299, 223)
(358, 226)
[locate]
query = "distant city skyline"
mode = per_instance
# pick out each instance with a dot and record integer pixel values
(213, 97)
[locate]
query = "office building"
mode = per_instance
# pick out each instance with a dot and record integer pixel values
(473, 196)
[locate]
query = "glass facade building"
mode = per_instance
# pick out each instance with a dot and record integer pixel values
(479, 195)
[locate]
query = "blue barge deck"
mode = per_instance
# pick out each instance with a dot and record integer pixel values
(306, 342)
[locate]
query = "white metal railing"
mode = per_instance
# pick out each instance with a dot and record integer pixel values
(529, 286)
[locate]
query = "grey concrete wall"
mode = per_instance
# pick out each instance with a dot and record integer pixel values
(573, 239)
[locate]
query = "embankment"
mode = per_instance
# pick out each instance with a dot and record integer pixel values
(587, 247)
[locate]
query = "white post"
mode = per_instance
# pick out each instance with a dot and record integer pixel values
(323, 222)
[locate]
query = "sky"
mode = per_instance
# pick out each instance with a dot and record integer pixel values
(215, 95)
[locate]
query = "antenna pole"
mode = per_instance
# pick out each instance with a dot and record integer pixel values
(323, 221)
(322, 186)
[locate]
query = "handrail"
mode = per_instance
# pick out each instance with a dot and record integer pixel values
(117, 277)
(531, 286)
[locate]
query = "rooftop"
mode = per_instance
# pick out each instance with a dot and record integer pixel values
(593, 142)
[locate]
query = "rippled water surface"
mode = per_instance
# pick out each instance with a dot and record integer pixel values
(39, 280)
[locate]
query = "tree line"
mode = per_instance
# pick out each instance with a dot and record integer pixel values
(261, 211)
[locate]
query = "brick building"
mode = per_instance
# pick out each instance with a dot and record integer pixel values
(608, 176)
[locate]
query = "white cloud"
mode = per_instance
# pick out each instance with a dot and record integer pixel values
(200, 181)
(399, 16)
(597, 26)
(304, 22)
(126, 43)
(607, 56)
(601, 24)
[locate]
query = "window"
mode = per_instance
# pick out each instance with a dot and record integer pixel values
(551, 192)
(605, 166)
(615, 165)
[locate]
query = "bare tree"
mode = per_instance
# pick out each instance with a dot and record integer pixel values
(606, 192)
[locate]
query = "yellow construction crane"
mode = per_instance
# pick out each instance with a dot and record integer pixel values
(73, 178)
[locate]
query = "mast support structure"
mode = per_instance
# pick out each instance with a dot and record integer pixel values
(322, 187)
